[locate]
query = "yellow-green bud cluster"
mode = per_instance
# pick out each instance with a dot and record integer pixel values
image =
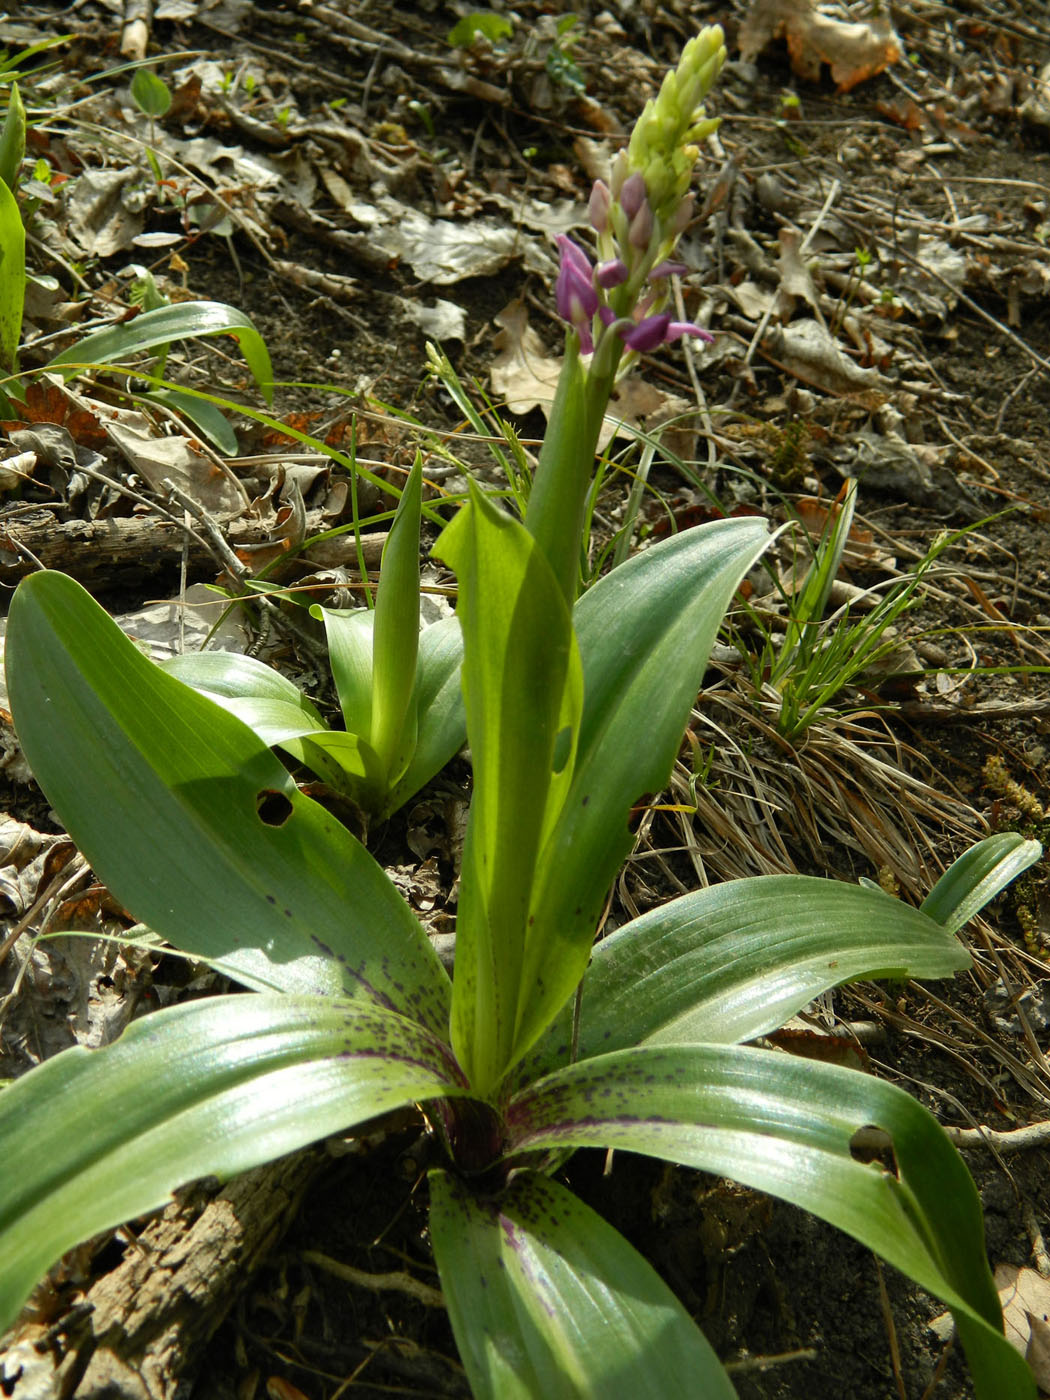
(664, 144)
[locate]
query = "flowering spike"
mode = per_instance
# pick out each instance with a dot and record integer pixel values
(662, 145)
(616, 310)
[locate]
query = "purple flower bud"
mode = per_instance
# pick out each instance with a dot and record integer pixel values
(681, 217)
(611, 273)
(678, 328)
(574, 258)
(598, 207)
(641, 231)
(574, 292)
(660, 330)
(647, 334)
(633, 194)
(668, 269)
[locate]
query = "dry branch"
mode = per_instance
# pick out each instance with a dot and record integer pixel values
(125, 553)
(151, 1317)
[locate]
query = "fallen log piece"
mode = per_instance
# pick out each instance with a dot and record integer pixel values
(142, 1329)
(113, 554)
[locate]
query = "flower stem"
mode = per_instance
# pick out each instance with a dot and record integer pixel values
(556, 511)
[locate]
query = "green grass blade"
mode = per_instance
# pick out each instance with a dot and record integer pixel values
(185, 321)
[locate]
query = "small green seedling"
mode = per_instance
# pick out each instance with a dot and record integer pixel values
(399, 691)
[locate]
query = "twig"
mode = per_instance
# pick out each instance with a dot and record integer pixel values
(891, 1332)
(398, 1281)
(1011, 1140)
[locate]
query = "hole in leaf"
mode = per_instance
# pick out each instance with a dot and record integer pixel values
(872, 1144)
(562, 745)
(273, 807)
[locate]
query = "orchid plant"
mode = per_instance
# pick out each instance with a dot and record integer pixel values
(543, 1042)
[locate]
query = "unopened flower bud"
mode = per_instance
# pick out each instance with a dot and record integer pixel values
(633, 194)
(668, 269)
(618, 174)
(681, 217)
(641, 230)
(611, 273)
(598, 206)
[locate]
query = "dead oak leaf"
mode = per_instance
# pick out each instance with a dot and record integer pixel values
(853, 49)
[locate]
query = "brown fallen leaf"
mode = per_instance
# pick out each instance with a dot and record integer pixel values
(1025, 1297)
(854, 49)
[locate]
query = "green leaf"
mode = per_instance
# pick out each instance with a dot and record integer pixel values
(257, 694)
(92, 1138)
(395, 637)
(442, 723)
(205, 417)
(737, 960)
(485, 23)
(785, 1125)
(645, 632)
(349, 634)
(194, 825)
(184, 321)
(12, 277)
(279, 714)
(547, 1299)
(12, 140)
(523, 694)
(978, 876)
(150, 93)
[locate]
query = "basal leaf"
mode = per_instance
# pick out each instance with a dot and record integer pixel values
(12, 277)
(786, 1125)
(547, 1299)
(207, 418)
(442, 724)
(194, 825)
(978, 876)
(737, 960)
(257, 694)
(350, 635)
(645, 632)
(12, 140)
(92, 1138)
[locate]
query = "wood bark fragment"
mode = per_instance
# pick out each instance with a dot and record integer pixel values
(148, 1321)
(122, 553)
